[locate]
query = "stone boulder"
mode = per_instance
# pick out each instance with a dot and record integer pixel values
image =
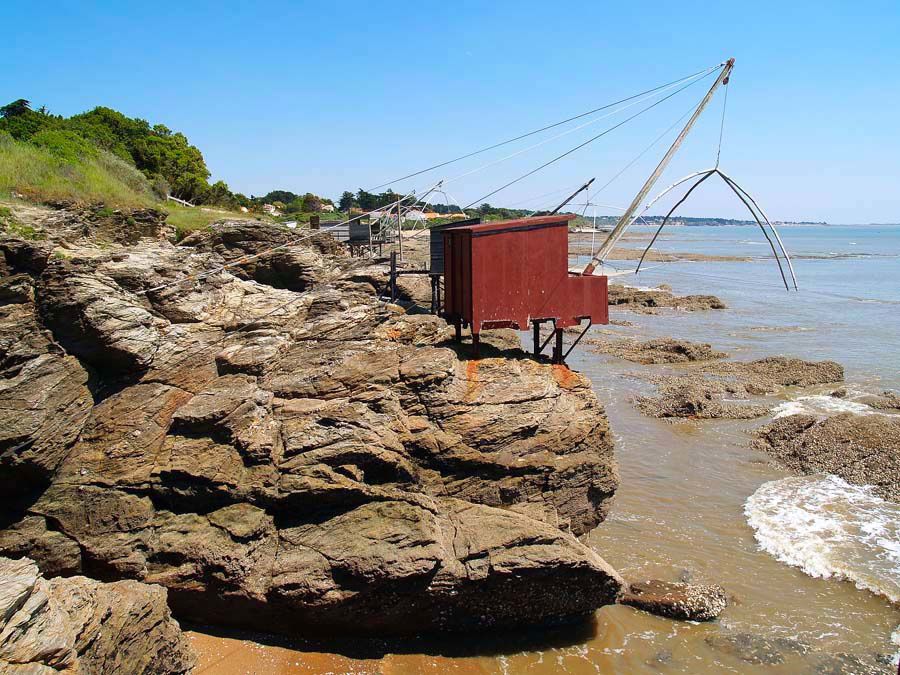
(650, 301)
(657, 350)
(303, 460)
(694, 398)
(265, 253)
(76, 625)
(95, 319)
(701, 392)
(44, 396)
(42, 410)
(861, 449)
(676, 600)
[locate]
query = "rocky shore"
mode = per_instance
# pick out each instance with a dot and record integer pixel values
(278, 448)
(650, 301)
(861, 449)
(657, 350)
(718, 390)
(77, 625)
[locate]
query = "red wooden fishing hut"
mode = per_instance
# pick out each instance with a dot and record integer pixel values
(513, 273)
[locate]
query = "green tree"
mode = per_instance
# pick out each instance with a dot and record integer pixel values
(386, 198)
(283, 196)
(347, 201)
(67, 145)
(218, 194)
(311, 203)
(295, 206)
(366, 200)
(21, 122)
(20, 106)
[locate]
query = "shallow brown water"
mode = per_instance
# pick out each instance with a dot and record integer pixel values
(679, 514)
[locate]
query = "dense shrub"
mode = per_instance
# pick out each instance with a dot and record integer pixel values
(164, 156)
(67, 145)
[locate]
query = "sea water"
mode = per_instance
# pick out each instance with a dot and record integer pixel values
(809, 563)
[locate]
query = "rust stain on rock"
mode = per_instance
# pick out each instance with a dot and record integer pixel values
(473, 386)
(564, 377)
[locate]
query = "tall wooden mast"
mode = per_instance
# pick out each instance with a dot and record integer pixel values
(630, 214)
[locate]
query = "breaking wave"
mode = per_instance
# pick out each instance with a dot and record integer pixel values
(830, 528)
(642, 288)
(821, 405)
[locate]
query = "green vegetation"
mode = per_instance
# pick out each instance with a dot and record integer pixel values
(104, 156)
(324, 216)
(290, 203)
(185, 219)
(40, 172)
(167, 160)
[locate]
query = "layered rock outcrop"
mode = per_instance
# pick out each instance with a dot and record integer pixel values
(77, 625)
(281, 450)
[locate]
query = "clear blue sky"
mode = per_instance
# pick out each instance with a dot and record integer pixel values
(326, 96)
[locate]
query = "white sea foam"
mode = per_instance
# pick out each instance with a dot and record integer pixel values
(642, 288)
(830, 528)
(821, 405)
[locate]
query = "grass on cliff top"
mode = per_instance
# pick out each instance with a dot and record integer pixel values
(186, 219)
(39, 175)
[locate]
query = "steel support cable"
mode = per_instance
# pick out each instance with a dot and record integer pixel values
(452, 201)
(587, 142)
(447, 198)
(732, 182)
(462, 210)
(667, 191)
(558, 136)
(722, 126)
(641, 154)
(552, 193)
(762, 284)
(706, 174)
(761, 227)
(662, 87)
(609, 206)
(710, 172)
(744, 196)
(699, 73)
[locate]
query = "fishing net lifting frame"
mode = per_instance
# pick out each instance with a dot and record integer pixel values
(632, 213)
(756, 211)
